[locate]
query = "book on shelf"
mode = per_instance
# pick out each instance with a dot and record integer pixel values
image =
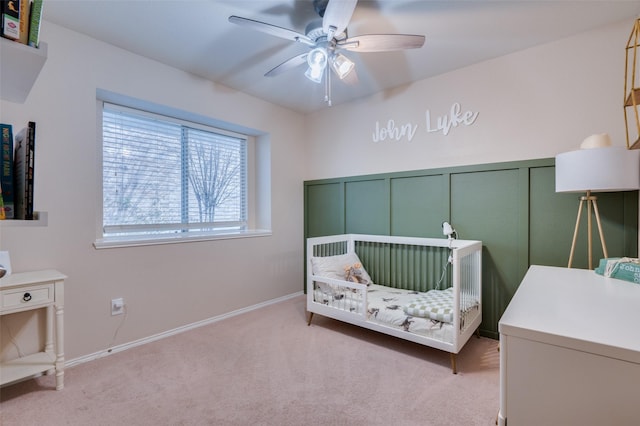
(10, 19)
(35, 17)
(2, 215)
(20, 171)
(6, 174)
(24, 21)
(30, 169)
(24, 161)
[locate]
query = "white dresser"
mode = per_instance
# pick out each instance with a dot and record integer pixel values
(28, 291)
(570, 350)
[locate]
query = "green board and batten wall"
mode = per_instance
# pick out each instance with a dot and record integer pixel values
(511, 207)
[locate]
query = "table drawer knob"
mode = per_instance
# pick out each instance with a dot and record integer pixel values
(26, 297)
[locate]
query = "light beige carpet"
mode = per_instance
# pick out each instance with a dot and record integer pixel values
(267, 367)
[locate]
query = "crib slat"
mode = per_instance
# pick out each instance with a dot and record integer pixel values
(412, 267)
(405, 266)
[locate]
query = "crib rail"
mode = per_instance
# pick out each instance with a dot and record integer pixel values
(343, 296)
(330, 248)
(467, 266)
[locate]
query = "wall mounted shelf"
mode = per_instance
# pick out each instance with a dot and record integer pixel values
(20, 66)
(39, 219)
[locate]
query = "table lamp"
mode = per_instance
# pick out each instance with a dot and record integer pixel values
(596, 167)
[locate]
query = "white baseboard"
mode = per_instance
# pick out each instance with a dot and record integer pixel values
(125, 346)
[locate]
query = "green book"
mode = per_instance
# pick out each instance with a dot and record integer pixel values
(34, 23)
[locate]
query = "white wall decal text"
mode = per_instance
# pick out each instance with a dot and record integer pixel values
(445, 123)
(455, 117)
(393, 132)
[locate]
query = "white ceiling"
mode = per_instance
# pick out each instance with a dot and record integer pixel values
(195, 35)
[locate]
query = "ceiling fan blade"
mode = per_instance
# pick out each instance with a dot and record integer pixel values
(381, 42)
(290, 63)
(337, 16)
(271, 29)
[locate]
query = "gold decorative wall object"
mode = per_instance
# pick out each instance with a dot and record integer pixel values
(632, 88)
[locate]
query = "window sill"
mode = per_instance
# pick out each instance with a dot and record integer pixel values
(115, 242)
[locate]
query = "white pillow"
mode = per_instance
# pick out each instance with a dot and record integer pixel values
(334, 266)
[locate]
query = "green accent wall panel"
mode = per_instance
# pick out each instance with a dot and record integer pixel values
(324, 209)
(485, 206)
(552, 221)
(619, 224)
(511, 207)
(367, 207)
(419, 205)
(630, 228)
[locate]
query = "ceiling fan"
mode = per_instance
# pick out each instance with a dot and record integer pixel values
(326, 38)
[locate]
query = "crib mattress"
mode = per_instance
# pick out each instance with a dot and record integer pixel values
(385, 307)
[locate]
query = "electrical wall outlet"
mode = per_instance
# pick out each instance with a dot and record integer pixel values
(117, 306)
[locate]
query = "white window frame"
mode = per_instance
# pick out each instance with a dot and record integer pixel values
(250, 230)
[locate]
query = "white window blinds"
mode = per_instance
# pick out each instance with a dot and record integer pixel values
(163, 175)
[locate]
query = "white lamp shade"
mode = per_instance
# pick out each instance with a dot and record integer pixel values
(598, 169)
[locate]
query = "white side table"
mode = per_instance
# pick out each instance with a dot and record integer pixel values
(34, 290)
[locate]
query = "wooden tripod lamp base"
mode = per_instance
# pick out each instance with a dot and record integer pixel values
(592, 205)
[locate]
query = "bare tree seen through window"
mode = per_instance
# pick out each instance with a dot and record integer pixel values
(214, 175)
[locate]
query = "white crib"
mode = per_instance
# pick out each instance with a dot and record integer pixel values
(403, 270)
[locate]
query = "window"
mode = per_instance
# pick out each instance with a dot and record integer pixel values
(165, 178)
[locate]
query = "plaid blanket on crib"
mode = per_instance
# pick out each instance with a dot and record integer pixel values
(434, 304)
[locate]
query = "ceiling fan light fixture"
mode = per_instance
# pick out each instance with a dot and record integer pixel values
(314, 74)
(342, 65)
(317, 61)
